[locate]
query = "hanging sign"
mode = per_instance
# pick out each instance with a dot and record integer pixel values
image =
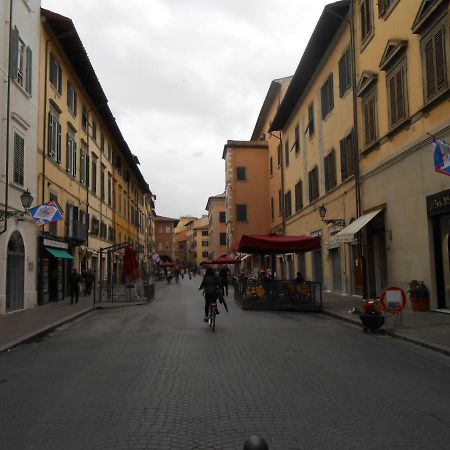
(441, 158)
(393, 299)
(46, 213)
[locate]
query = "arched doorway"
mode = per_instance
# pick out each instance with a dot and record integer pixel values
(15, 272)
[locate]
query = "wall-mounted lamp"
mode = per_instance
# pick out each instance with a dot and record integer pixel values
(27, 199)
(336, 222)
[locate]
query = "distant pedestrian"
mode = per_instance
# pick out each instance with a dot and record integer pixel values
(223, 277)
(88, 282)
(74, 283)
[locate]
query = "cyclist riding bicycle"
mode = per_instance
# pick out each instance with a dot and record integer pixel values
(211, 289)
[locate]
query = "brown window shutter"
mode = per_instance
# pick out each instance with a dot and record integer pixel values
(393, 100)
(400, 95)
(439, 51)
(429, 68)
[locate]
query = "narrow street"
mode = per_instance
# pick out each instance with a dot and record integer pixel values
(156, 377)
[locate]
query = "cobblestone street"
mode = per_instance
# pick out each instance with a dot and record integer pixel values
(155, 377)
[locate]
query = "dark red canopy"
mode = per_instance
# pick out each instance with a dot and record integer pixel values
(225, 260)
(167, 264)
(276, 244)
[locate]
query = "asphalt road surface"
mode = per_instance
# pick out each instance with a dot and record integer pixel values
(156, 377)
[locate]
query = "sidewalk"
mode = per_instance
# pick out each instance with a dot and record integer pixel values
(20, 326)
(429, 329)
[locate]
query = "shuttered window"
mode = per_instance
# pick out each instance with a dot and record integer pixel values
(369, 107)
(311, 119)
(396, 82)
(298, 196)
(71, 98)
(54, 137)
(327, 96)
(297, 139)
(313, 184)
(271, 165)
(55, 73)
(288, 204)
(279, 150)
(346, 151)
(286, 152)
(19, 148)
(434, 60)
(83, 166)
(272, 209)
(366, 19)
(71, 155)
(241, 213)
(280, 203)
(330, 170)
(21, 61)
(345, 73)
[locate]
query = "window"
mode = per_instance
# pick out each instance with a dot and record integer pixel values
(297, 139)
(241, 213)
(280, 203)
(272, 209)
(102, 142)
(84, 118)
(286, 152)
(19, 147)
(205, 233)
(385, 7)
(109, 152)
(114, 191)
(71, 154)
(271, 166)
(240, 173)
(346, 148)
(84, 166)
(205, 244)
(366, 21)
(345, 72)
(433, 49)
(94, 129)
(55, 73)
(205, 254)
(109, 188)
(94, 173)
(54, 137)
(313, 184)
(71, 98)
(21, 61)
(330, 170)
(298, 196)
(120, 201)
(369, 109)
(102, 182)
(288, 204)
(311, 119)
(222, 217)
(223, 238)
(279, 155)
(326, 95)
(396, 83)
(168, 229)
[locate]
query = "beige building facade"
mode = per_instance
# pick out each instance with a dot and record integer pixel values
(217, 226)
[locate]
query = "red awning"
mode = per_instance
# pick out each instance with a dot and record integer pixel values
(167, 264)
(225, 260)
(276, 244)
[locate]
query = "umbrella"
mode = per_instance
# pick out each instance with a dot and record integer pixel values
(130, 268)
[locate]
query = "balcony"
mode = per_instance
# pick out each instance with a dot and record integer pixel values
(76, 232)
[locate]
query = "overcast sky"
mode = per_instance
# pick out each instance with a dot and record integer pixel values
(184, 76)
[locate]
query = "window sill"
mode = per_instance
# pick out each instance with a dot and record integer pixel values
(21, 89)
(370, 148)
(439, 98)
(366, 40)
(387, 13)
(399, 127)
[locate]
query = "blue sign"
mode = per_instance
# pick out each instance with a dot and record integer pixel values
(46, 213)
(441, 159)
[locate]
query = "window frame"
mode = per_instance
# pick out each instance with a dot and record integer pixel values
(224, 215)
(54, 137)
(71, 98)
(71, 154)
(288, 204)
(286, 152)
(55, 73)
(367, 6)
(241, 212)
(93, 184)
(329, 164)
(241, 173)
(345, 71)
(314, 191)
(327, 96)
(18, 159)
(346, 156)
(371, 95)
(297, 139)
(298, 196)
(311, 128)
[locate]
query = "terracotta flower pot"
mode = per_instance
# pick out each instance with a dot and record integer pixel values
(420, 304)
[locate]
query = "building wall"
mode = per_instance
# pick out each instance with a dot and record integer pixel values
(216, 206)
(398, 170)
(23, 121)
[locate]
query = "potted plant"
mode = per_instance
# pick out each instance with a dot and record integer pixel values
(372, 318)
(419, 296)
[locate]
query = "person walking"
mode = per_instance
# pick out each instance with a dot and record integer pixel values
(88, 282)
(74, 282)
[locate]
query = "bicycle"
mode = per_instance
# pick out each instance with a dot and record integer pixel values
(212, 315)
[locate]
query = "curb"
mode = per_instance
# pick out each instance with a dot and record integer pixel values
(434, 347)
(45, 330)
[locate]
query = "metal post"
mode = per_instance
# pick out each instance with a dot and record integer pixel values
(101, 276)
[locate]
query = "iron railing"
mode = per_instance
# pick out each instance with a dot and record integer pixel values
(278, 295)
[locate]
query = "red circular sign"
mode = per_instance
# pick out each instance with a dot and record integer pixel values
(393, 299)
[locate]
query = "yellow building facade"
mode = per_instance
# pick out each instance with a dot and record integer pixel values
(217, 227)
(78, 146)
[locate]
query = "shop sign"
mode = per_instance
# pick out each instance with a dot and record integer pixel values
(56, 244)
(393, 299)
(438, 203)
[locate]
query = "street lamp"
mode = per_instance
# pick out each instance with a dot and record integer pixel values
(336, 222)
(27, 199)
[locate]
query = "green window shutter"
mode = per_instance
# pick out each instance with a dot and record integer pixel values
(68, 153)
(14, 53)
(51, 142)
(29, 71)
(74, 168)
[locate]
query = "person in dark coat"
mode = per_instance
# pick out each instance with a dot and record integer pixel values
(74, 281)
(223, 277)
(88, 282)
(211, 289)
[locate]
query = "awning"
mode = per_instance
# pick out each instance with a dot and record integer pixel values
(58, 253)
(348, 233)
(275, 244)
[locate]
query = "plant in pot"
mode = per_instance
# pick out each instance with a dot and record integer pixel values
(372, 318)
(419, 296)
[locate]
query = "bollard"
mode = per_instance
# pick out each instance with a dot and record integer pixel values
(255, 443)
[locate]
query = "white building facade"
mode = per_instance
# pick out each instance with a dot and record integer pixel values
(19, 65)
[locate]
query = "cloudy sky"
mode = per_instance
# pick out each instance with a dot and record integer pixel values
(184, 76)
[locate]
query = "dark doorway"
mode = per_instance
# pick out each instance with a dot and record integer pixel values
(376, 255)
(15, 273)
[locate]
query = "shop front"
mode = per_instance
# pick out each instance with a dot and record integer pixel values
(55, 264)
(438, 210)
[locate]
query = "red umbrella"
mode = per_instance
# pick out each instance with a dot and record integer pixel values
(275, 244)
(167, 264)
(130, 268)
